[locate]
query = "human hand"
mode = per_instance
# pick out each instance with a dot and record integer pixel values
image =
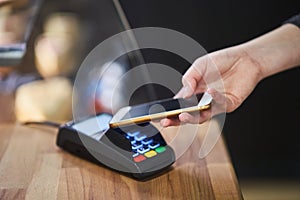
(231, 74)
(228, 75)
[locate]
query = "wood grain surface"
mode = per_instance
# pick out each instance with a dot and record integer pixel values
(33, 167)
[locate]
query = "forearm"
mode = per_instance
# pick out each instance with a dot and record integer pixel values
(276, 51)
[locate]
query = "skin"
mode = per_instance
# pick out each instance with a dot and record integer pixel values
(241, 68)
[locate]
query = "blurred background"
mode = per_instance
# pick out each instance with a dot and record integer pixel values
(262, 135)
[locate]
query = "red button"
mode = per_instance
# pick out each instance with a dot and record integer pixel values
(139, 158)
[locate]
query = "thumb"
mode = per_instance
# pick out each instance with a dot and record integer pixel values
(184, 92)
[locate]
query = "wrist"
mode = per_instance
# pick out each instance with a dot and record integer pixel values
(275, 51)
(250, 52)
(253, 61)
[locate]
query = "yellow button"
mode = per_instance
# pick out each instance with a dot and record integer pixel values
(150, 154)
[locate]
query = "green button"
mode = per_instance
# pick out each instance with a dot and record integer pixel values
(160, 149)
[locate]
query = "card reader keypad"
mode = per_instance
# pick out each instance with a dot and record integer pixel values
(144, 147)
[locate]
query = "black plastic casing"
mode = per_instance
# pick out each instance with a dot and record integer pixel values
(113, 150)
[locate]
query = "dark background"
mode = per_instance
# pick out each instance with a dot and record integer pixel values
(262, 135)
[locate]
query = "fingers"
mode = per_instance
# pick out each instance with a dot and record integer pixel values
(197, 78)
(195, 73)
(184, 118)
(195, 118)
(218, 97)
(190, 87)
(170, 122)
(180, 94)
(218, 106)
(223, 102)
(188, 118)
(191, 80)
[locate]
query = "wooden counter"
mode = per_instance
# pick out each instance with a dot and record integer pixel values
(33, 167)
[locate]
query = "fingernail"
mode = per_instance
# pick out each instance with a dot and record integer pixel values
(183, 118)
(163, 122)
(186, 91)
(176, 96)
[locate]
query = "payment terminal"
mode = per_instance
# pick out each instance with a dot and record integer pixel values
(139, 151)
